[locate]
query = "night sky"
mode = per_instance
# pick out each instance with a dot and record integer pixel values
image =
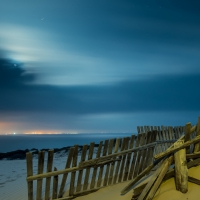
(73, 66)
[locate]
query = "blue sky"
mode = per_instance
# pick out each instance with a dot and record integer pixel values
(98, 66)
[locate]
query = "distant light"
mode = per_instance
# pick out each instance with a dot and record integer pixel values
(14, 133)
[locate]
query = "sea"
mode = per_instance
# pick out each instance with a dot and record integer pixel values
(50, 141)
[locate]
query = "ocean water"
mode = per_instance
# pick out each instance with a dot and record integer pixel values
(22, 142)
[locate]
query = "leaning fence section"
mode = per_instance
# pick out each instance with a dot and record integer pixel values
(99, 165)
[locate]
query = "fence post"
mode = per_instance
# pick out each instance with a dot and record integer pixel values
(73, 174)
(55, 185)
(187, 136)
(40, 171)
(29, 167)
(197, 145)
(49, 169)
(181, 175)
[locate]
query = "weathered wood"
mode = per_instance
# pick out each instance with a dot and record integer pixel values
(138, 189)
(73, 174)
(40, 171)
(95, 161)
(105, 181)
(186, 144)
(164, 136)
(137, 162)
(113, 163)
(193, 155)
(49, 169)
(158, 146)
(151, 182)
(101, 168)
(87, 174)
(80, 175)
(197, 145)
(29, 167)
(193, 129)
(65, 174)
(55, 186)
(193, 180)
(131, 173)
(150, 153)
(158, 181)
(128, 159)
(144, 153)
(187, 135)
(181, 175)
(137, 178)
(92, 185)
(120, 178)
(118, 163)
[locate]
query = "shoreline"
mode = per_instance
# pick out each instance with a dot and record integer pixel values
(21, 154)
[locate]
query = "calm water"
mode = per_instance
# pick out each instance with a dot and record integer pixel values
(15, 142)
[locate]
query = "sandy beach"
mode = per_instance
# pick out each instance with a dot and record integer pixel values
(13, 184)
(166, 191)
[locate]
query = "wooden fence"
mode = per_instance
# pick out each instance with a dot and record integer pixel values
(110, 162)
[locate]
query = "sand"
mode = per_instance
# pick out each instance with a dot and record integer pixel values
(166, 191)
(13, 184)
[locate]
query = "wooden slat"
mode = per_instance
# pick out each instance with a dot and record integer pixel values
(73, 175)
(133, 164)
(40, 171)
(151, 182)
(64, 179)
(105, 181)
(187, 135)
(150, 153)
(120, 177)
(164, 136)
(90, 163)
(49, 169)
(158, 181)
(128, 158)
(139, 176)
(118, 163)
(193, 180)
(96, 161)
(113, 163)
(102, 167)
(55, 186)
(159, 148)
(145, 151)
(137, 164)
(138, 189)
(181, 168)
(161, 138)
(180, 131)
(87, 174)
(167, 135)
(92, 185)
(172, 150)
(197, 145)
(80, 175)
(29, 167)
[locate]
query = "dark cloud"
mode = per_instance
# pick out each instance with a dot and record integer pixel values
(159, 93)
(12, 75)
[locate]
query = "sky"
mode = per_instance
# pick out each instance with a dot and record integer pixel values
(72, 66)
